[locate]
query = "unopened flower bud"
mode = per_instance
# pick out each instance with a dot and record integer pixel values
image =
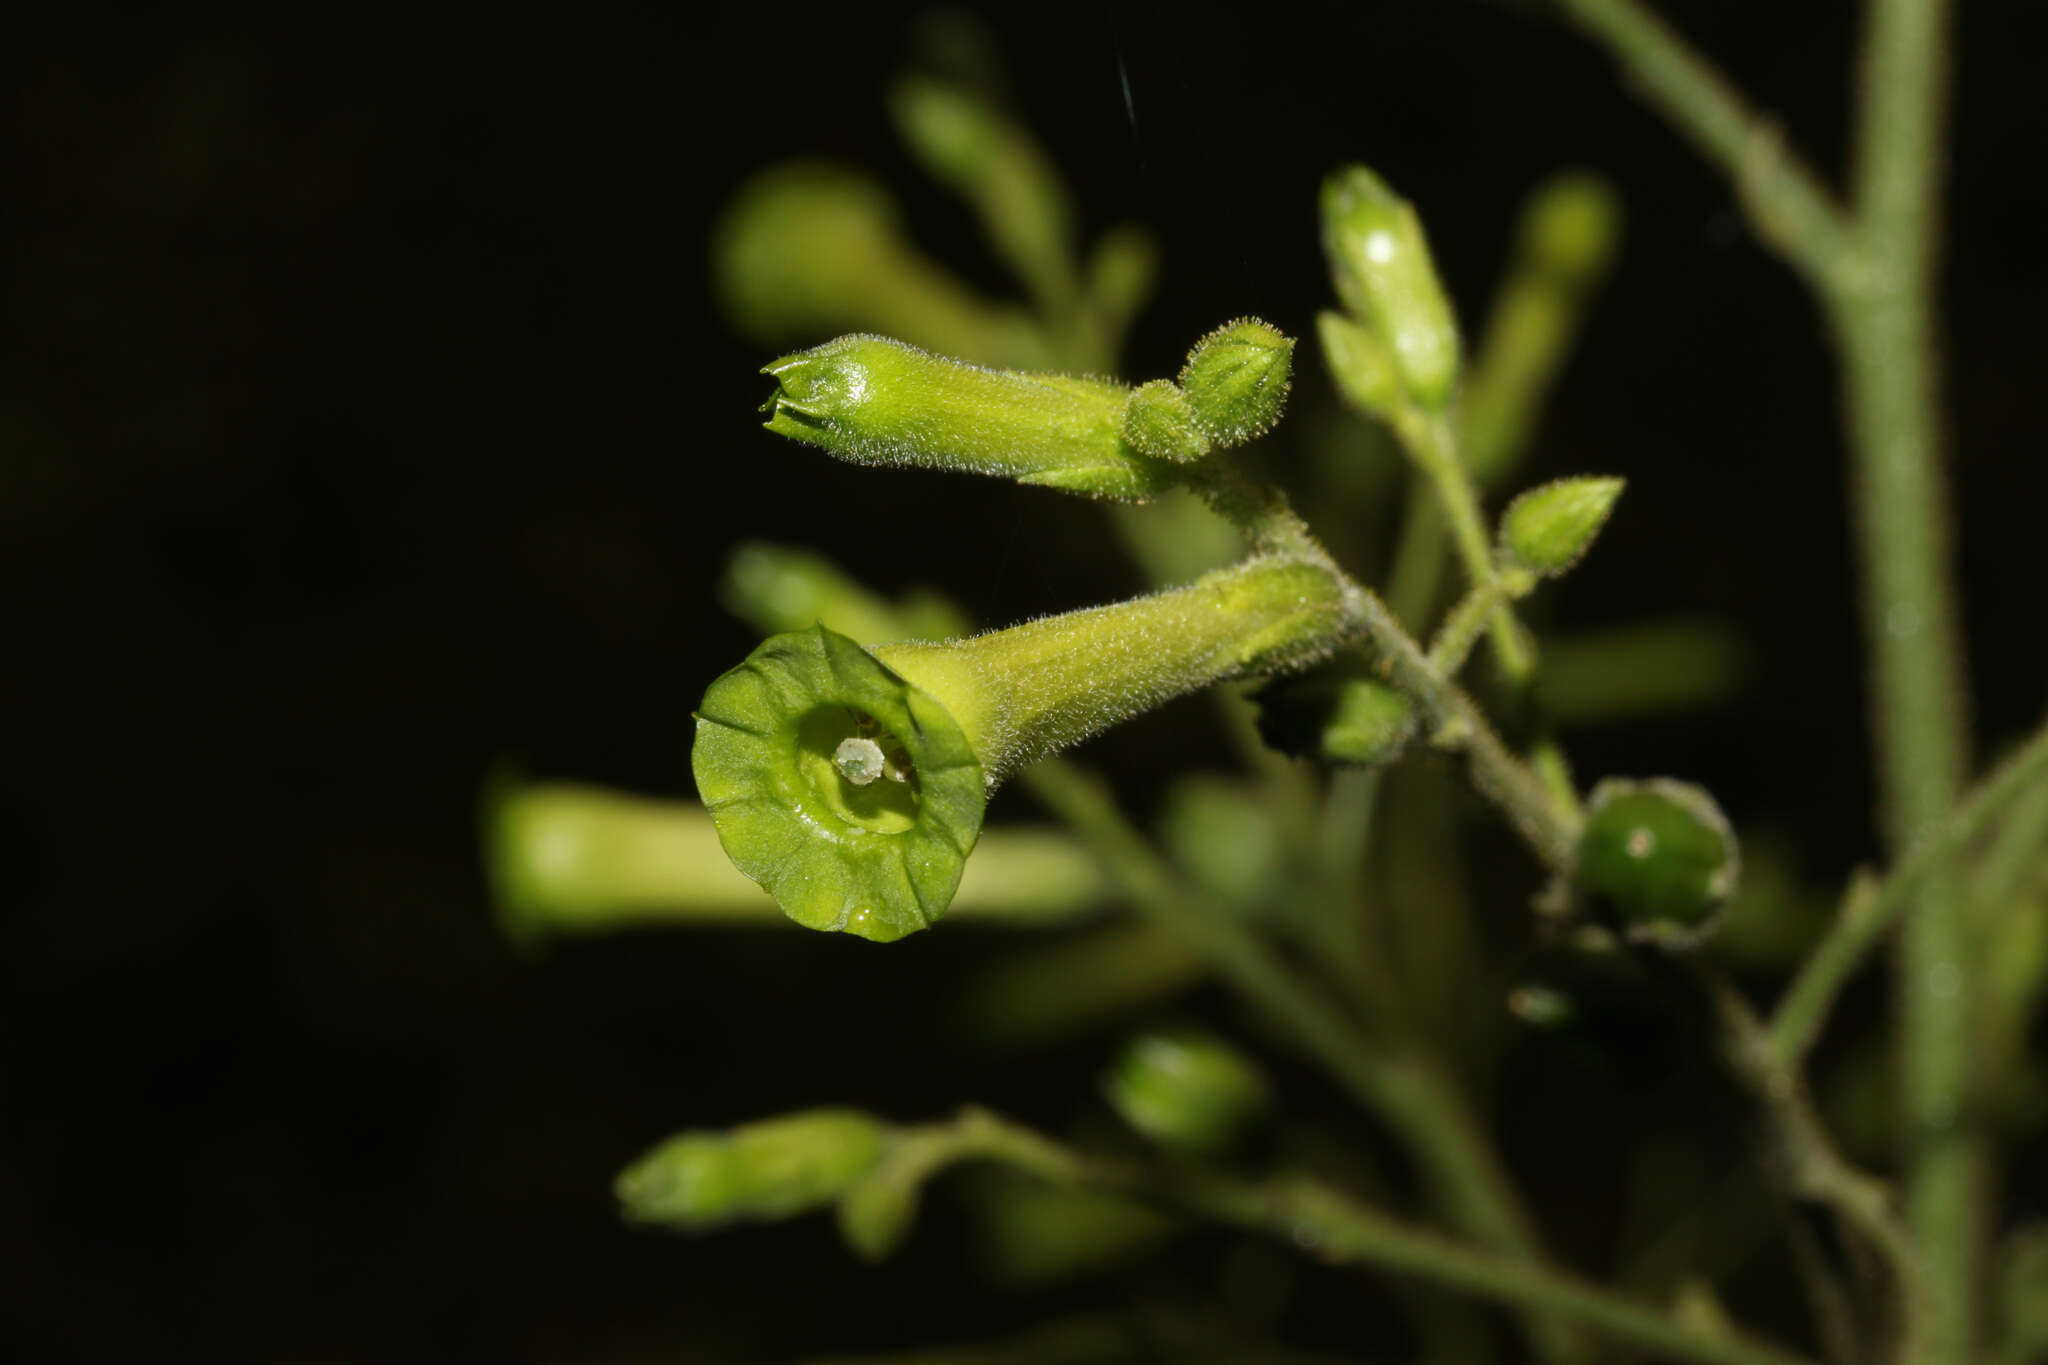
(1380, 263)
(872, 400)
(1547, 530)
(1185, 1090)
(772, 1169)
(1236, 378)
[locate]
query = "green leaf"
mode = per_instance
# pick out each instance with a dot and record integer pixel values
(1548, 529)
(880, 860)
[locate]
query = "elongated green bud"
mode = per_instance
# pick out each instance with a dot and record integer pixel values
(1660, 858)
(1569, 230)
(568, 859)
(803, 813)
(1185, 1090)
(1380, 263)
(774, 588)
(1001, 170)
(875, 401)
(807, 250)
(1361, 366)
(1548, 529)
(772, 1169)
(1236, 379)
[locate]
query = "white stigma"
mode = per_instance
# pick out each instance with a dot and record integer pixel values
(859, 760)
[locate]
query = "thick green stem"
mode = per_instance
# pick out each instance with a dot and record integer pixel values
(1887, 327)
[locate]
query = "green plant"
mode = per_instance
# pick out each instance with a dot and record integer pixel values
(847, 763)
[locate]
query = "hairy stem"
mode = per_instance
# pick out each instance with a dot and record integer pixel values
(1549, 828)
(1344, 1232)
(1871, 906)
(1445, 1138)
(1787, 206)
(1887, 330)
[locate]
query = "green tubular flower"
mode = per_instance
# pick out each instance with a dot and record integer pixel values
(851, 782)
(872, 400)
(775, 1168)
(1380, 263)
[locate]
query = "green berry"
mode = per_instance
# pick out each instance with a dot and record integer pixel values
(1660, 857)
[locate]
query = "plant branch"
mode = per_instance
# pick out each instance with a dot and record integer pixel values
(1887, 332)
(1550, 829)
(1344, 1232)
(1789, 208)
(1402, 1087)
(1872, 905)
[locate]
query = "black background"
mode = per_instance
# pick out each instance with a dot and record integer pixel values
(367, 421)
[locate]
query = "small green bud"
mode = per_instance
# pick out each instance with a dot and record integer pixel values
(1361, 365)
(1236, 377)
(1380, 263)
(871, 400)
(1548, 529)
(1185, 1090)
(1571, 226)
(1161, 422)
(1337, 714)
(1660, 857)
(772, 1169)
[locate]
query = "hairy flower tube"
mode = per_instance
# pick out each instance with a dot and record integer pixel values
(851, 782)
(872, 400)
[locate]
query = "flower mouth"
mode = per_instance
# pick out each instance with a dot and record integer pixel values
(857, 771)
(784, 742)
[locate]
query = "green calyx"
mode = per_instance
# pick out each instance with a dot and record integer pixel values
(773, 1169)
(1160, 421)
(872, 400)
(801, 811)
(1236, 379)
(1659, 858)
(1380, 264)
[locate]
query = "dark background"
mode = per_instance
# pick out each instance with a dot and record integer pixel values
(366, 420)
